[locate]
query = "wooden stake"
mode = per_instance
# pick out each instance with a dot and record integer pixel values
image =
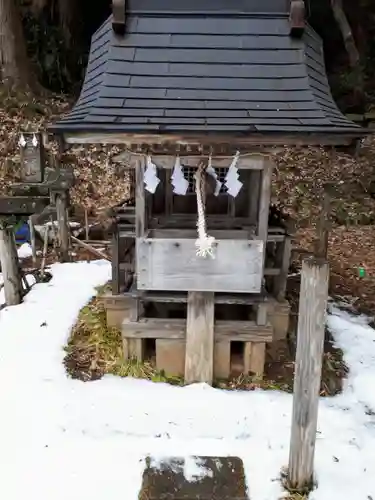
(10, 269)
(86, 225)
(32, 240)
(323, 227)
(308, 371)
(63, 226)
(90, 248)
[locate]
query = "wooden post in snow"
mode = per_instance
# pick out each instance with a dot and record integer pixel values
(10, 269)
(63, 224)
(308, 371)
(323, 225)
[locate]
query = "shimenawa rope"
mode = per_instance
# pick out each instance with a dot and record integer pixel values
(204, 244)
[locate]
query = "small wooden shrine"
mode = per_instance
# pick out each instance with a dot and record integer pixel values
(199, 92)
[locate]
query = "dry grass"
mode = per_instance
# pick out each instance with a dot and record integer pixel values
(95, 350)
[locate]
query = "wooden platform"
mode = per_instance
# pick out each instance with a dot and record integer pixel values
(268, 321)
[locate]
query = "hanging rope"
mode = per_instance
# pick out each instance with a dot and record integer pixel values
(204, 243)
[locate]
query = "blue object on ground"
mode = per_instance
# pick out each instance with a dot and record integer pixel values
(23, 233)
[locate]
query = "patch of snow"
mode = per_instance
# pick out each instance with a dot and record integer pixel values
(24, 251)
(194, 469)
(62, 438)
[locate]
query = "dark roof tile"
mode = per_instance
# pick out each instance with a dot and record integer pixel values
(205, 66)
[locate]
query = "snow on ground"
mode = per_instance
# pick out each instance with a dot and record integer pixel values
(65, 439)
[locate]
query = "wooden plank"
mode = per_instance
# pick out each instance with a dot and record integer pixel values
(181, 297)
(22, 205)
(154, 328)
(165, 264)
(253, 162)
(219, 234)
(308, 370)
(199, 338)
(209, 140)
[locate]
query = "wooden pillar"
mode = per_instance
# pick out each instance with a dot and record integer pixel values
(140, 199)
(115, 261)
(264, 201)
(199, 338)
(63, 225)
(254, 185)
(10, 266)
(308, 370)
(283, 262)
(133, 348)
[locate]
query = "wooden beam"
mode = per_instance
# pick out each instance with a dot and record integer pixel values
(308, 371)
(161, 328)
(200, 338)
(173, 141)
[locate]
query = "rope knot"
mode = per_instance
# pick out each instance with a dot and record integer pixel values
(204, 244)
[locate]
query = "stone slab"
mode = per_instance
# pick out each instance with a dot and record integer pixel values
(195, 478)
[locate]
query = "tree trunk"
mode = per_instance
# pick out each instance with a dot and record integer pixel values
(352, 51)
(346, 31)
(15, 67)
(66, 16)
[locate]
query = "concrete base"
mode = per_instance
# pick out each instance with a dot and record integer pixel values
(170, 356)
(196, 478)
(117, 309)
(279, 319)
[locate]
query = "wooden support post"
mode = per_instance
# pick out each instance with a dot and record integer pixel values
(264, 203)
(308, 369)
(63, 225)
(283, 262)
(33, 240)
(132, 347)
(115, 261)
(254, 184)
(140, 203)
(199, 338)
(10, 266)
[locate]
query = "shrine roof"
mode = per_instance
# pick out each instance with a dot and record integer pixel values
(207, 67)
